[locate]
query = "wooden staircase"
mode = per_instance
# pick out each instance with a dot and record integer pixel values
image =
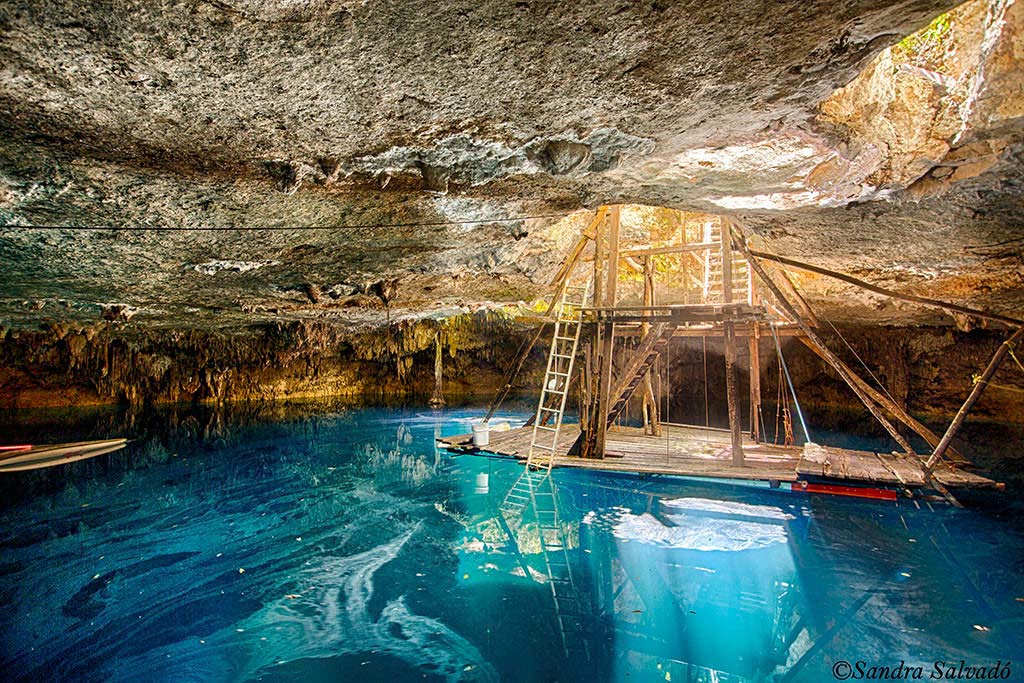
(642, 361)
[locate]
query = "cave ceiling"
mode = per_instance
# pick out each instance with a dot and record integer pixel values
(879, 138)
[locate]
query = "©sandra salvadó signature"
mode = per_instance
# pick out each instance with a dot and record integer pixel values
(939, 670)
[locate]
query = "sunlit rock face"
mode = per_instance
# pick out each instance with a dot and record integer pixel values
(879, 138)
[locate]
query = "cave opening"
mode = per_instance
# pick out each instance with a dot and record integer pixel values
(527, 341)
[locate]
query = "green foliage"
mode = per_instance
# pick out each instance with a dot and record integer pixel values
(930, 39)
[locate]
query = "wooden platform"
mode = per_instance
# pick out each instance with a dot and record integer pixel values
(700, 452)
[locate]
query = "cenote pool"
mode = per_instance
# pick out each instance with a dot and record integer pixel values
(341, 545)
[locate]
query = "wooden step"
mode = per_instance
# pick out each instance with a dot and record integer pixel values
(644, 356)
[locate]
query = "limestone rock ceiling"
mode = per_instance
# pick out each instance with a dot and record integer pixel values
(252, 113)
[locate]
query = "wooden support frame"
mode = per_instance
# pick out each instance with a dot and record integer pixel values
(729, 335)
(979, 387)
(813, 338)
(559, 282)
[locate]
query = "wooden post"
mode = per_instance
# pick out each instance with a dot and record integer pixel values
(606, 332)
(755, 383)
(650, 403)
(437, 399)
(587, 376)
(586, 444)
(754, 345)
(604, 379)
(979, 386)
(682, 263)
(729, 332)
(894, 408)
(559, 282)
(827, 354)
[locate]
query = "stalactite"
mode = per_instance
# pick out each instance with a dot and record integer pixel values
(437, 398)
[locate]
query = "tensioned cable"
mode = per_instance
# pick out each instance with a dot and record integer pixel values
(861, 361)
(789, 381)
(235, 228)
(879, 382)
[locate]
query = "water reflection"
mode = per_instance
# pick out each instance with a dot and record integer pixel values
(635, 582)
(342, 544)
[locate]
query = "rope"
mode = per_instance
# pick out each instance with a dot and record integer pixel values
(1005, 387)
(789, 380)
(1009, 347)
(782, 414)
(862, 363)
(976, 379)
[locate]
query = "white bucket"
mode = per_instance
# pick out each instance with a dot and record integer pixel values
(481, 434)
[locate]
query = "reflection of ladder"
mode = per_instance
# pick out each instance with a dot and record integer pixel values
(536, 489)
(713, 269)
(551, 408)
(521, 494)
(564, 593)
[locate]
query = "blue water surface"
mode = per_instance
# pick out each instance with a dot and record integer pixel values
(342, 545)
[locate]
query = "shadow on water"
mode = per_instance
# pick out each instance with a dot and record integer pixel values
(335, 542)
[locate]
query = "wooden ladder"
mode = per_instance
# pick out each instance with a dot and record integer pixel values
(643, 358)
(741, 275)
(547, 423)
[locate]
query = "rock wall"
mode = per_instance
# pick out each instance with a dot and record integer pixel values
(107, 363)
(929, 370)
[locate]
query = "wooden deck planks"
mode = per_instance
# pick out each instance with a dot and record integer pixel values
(698, 452)
(903, 469)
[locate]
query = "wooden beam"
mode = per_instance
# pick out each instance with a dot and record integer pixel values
(812, 337)
(641, 309)
(924, 301)
(677, 249)
(781, 278)
(589, 233)
(894, 408)
(729, 334)
(742, 331)
(754, 342)
(979, 387)
(650, 402)
(754, 347)
(607, 331)
(559, 282)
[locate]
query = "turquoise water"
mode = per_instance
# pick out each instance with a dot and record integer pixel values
(343, 546)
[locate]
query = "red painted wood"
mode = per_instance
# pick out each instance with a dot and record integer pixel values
(851, 491)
